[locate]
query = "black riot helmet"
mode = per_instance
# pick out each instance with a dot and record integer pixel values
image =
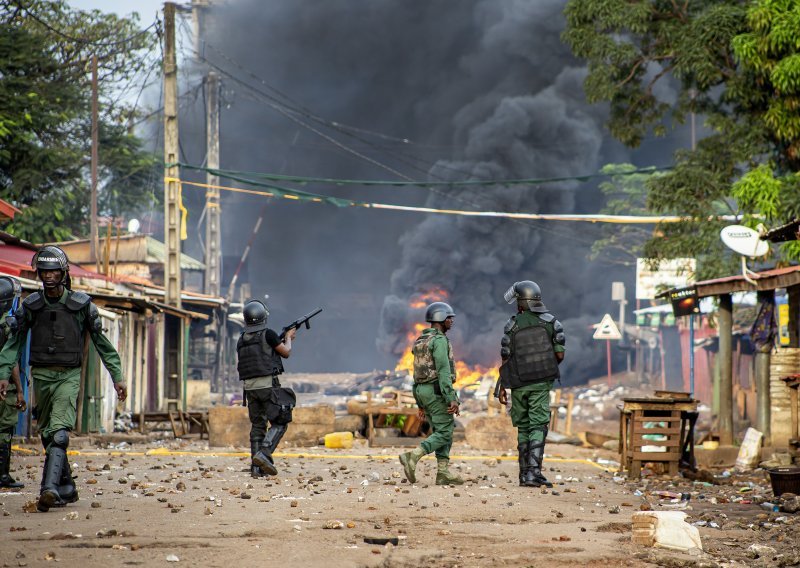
(9, 290)
(255, 316)
(51, 257)
(437, 312)
(527, 294)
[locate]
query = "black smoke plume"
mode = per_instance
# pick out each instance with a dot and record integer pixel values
(483, 89)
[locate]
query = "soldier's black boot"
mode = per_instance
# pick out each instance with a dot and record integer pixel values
(263, 457)
(535, 459)
(66, 485)
(54, 464)
(255, 471)
(526, 478)
(49, 495)
(5, 464)
(523, 462)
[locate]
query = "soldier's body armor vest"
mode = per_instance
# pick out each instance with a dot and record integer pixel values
(533, 359)
(256, 358)
(424, 366)
(56, 335)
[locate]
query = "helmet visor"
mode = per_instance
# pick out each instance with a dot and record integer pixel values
(511, 294)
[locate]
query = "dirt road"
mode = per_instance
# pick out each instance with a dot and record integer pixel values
(204, 509)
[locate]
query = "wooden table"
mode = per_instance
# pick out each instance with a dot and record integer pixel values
(678, 416)
(384, 410)
(182, 422)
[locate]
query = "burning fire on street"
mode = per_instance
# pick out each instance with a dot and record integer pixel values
(466, 376)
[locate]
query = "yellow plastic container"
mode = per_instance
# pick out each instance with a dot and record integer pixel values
(336, 440)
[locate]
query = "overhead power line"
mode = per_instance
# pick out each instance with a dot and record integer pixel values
(424, 184)
(84, 41)
(295, 195)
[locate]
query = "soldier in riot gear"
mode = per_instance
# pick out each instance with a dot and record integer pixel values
(57, 318)
(434, 375)
(12, 400)
(260, 352)
(532, 348)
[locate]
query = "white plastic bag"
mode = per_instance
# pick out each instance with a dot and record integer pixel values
(665, 529)
(750, 450)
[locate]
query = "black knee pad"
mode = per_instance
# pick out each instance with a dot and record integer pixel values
(61, 439)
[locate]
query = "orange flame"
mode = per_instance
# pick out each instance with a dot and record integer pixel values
(406, 362)
(466, 376)
(422, 299)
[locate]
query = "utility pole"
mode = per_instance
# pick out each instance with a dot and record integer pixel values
(213, 240)
(172, 216)
(175, 328)
(94, 245)
(213, 236)
(618, 294)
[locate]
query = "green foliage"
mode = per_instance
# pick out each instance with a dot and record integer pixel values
(736, 65)
(625, 195)
(395, 420)
(45, 118)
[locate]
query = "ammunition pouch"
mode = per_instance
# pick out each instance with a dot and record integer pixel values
(283, 401)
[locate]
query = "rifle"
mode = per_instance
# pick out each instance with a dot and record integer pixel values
(296, 324)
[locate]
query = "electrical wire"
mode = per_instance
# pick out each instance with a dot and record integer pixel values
(273, 102)
(82, 41)
(425, 184)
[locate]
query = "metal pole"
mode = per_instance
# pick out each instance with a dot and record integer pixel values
(725, 354)
(243, 259)
(213, 236)
(622, 304)
(608, 356)
(172, 214)
(691, 354)
(94, 244)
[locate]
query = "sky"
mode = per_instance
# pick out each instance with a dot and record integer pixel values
(145, 8)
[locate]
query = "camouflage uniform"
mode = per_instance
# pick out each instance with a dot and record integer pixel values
(434, 375)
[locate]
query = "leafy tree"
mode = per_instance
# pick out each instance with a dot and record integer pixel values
(732, 62)
(45, 119)
(626, 194)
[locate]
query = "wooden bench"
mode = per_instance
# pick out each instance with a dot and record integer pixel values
(183, 422)
(677, 417)
(400, 407)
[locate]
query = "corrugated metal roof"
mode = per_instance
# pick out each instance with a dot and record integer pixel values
(19, 258)
(764, 280)
(787, 232)
(7, 211)
(156, 252)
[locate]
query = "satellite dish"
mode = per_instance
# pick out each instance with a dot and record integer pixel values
(134, 226)
(744, 240)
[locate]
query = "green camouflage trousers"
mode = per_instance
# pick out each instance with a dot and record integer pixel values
(441, 422)
(56, 395)
(8, 416)
(530, 411)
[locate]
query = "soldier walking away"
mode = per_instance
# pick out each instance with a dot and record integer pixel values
(532, 348)
(434, 375)
(12, 399)
(57, 318)
(260, 351)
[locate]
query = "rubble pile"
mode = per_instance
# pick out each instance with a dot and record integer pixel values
(731, 508)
